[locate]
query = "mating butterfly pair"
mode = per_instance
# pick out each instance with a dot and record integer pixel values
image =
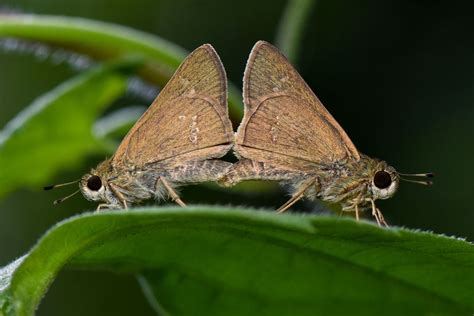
(286, 135)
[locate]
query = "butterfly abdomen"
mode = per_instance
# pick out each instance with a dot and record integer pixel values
(246, 169)
(198, 171)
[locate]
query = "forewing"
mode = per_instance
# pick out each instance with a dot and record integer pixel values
(284, 122)
(189, 118)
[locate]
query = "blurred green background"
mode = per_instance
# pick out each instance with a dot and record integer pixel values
(397, 75)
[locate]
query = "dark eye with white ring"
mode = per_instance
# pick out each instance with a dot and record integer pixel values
(382, 179)
(94, 183)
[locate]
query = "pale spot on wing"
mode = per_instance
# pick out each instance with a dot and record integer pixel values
(184, 82)
(274, 132)
(194, 130)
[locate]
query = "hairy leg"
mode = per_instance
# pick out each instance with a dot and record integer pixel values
(299, 194)
(172, 193)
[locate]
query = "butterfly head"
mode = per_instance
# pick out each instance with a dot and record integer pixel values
(383, 181)
(93, 187)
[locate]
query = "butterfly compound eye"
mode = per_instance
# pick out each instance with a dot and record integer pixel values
(382, 179)
(94, 183)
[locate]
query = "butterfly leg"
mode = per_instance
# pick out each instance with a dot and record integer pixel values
(356, 206)
(298, 195)
(102, 206)
(378, 215)
(174, 196)
(119, 195)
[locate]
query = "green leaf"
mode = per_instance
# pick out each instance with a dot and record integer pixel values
(107, 41)
(220, 261)
(118, 123)
(291, 27)
(54, 132)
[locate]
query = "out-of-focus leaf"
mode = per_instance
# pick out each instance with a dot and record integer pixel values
(221, 261)
(54, 132)
(118, 123)
(106, 41)
(291, 28)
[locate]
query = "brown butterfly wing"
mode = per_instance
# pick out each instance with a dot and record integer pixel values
(187, 121)
(284, 122)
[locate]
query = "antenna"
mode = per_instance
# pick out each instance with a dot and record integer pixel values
(422, 175)
(50, 187)
(419, 182)
(56, 202)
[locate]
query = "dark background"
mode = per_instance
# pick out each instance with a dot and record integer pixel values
(397, 75)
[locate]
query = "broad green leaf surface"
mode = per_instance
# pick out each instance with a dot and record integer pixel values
(106, 41)
(221, 261)
(54, 132)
